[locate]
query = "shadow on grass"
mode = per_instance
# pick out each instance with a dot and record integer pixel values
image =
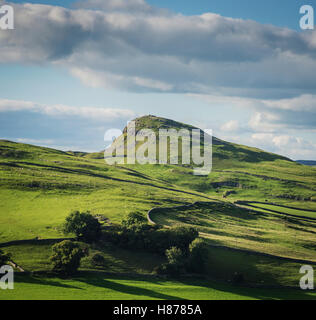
(98, 280)
(254, 292)
(40, 280)
(110, 283)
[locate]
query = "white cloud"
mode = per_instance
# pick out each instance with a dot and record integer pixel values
(230, 126)
(269, 115)
(291, 146)
(35, 141)
(264, 122)
(162, 51)
(96, 114)
(98, 79)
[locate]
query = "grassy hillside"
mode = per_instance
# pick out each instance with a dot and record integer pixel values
(228, 225)
(250, 173)
(39, 187)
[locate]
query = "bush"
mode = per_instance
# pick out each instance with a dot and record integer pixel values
(98, 260)
(86, 227)
(136, 235)
(4, 258)
(175, 265)
(181, 237)
(198, 256)
(175, 256)
(66, 257)
(134, 218)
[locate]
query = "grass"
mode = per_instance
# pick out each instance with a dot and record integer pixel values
(39, 187)
(225, 224)
(35, 257)
(89, 286)
(39, 191)
(256, 269)
(273, 208)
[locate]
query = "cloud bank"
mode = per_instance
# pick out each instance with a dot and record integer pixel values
(266, 72)
(104, 115)
(132, 46)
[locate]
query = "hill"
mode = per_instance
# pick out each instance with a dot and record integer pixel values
(256, 209)
(240, 171)
(40, 186)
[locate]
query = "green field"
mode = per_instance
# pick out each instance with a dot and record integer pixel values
(39, 187)
(270, 208)
(106, 287)
(228, 225)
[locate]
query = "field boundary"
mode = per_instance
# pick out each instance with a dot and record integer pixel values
(277, 205)
(33, 241)
(245, 204)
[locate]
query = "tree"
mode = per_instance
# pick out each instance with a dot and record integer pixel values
(85, 226)
(181, 237)
(175, 264)
(66, 257)
(4, 258)
(98, 260)
(175, 256)
(134, 218)
(198, 254)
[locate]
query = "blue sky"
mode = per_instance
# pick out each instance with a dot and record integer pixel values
(252, 82)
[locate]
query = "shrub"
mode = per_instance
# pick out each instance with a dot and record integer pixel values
(198, 256)
(175, 265)
(175, 256)
(134, 218)
(98, 260)
(66, 257)
(86, 227)
(150, 238)
(181, 237)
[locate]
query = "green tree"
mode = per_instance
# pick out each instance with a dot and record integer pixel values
(175, 256)
(85, 226)
(66, 257)
(181, 237)
(175, 264)
(134, 218)
(198, 254)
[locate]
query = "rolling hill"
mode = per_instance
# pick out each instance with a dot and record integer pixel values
(256, 209)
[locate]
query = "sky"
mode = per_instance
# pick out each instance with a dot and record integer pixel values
(70, 70)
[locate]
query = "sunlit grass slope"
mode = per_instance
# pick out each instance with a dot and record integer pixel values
(228, 225)
(40, 186)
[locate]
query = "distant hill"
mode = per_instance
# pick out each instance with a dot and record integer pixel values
(239, 172)
(307, 162)
(223, 152)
